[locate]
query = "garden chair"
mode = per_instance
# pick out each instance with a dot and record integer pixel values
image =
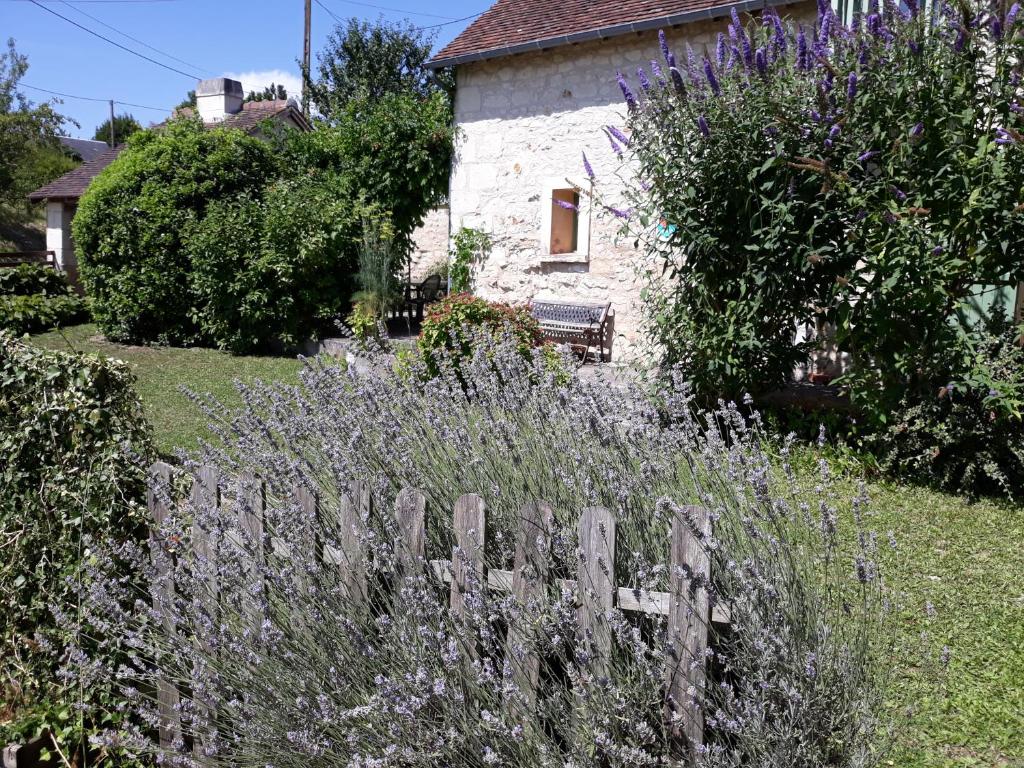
(419, 295)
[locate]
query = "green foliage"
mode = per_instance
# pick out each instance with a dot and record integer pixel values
(73, 444)
(30, 154)
(469, 246)
(379, 289)
(453, 326)
(372, 61)
(124, 126)
(395, 151)
(39, 312)
(873, 187)
(26, 279)
(276, 269)
(133, 219)
(272, 92)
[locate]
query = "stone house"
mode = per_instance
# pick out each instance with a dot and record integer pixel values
(536, 87)
(220, 102)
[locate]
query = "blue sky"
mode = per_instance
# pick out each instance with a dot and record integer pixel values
(259, 40)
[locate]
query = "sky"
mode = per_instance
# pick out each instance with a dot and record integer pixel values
(255, 41)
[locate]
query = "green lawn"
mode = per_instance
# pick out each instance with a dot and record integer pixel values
(967, 559)
(162, 371)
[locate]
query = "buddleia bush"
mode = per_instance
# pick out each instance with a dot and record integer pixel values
(864, 176)
(288, 668)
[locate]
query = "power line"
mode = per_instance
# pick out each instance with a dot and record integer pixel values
(395, 10)
(453, 21)
(329, 11)
(90, 98)
(82, 2)
(134, 39)
(114, 42)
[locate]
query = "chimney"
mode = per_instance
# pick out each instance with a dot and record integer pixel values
(217, 98)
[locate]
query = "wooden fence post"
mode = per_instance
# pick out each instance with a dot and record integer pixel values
(688, 618)
(410, 509)
(349, 556)
(251, 511)
(529, 582)
(468, 557)
(596, 584)
(205, 496)
(168, 698)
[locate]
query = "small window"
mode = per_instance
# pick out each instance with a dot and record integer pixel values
(565, 221)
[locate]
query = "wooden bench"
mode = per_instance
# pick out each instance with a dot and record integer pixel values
(14, 258)
(581, 325)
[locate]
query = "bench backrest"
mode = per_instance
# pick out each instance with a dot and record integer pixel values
(15, 258)
(570, 312)
(429, 288)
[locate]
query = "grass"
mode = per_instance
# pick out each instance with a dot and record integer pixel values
(966, 559)
(162, 371)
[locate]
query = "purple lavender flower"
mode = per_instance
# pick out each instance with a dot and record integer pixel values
(851, 86)
(620, 137)
(663, 42)
(1011, 16)
(626, 92)
(702, 124)
(709, 73)
(761, 62)
(720, 50)
(863, 158)
(642, 77)
(588, 167)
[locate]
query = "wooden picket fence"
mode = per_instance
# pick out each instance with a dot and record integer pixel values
(686, 604)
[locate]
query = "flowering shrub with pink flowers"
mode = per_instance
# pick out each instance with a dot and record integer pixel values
(869, 176)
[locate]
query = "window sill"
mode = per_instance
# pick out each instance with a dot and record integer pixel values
(565, 258)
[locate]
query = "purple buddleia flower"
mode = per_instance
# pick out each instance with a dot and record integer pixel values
(815, 115)
(863, 158)
(802, 57)
(824, 9)
(588, 168)
(736, 22)
(873, 7)
(709, 73)
(864, 57)
(898, 193)
(874, 24)
(761, 62)
(677, 80)
(702, 124)
(627, 94)
(663, 42)
(656, 70)
(826, 31)
(619, 212)
(917, 130)
(1011, 16)
(937, 250)
(720, 50)
(997, 28)
(616, 147)
(833, 134)
(692, 69)
(620, 137)
(912, 7)
(748, 52)
(780, 34)
(851, 86)
(961, 40)
(1004, 137)
(565, 204)
(645, 84)
(914, 46)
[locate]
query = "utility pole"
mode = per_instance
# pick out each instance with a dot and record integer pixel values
(112, 137)
(306, 61)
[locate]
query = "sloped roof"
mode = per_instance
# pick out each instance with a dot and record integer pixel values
(255, 112)
(517, 26)
(86, 149)
(72, 185)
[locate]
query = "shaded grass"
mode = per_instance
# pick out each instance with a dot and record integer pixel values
(162, 371)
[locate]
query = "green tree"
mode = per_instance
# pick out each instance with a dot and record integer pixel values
(30, 153)
(272, 92)
(124, 126)
(364, 61)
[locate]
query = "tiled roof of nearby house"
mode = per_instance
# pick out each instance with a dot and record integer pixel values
(71, 185)
(84, 148)
(517, 26)
(255, 112)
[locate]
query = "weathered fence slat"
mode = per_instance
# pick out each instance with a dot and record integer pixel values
(529, 581)
(470, 524)
(595, 579)
(410, 516)
(350, 555)
(205, 497)
(252, 507)
(687, 638)
(167, 697)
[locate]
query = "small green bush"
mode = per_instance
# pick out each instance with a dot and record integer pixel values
(132, 221)
(449, 326)
(469, 247)
(276, 269)
(39, 312)
(73, 448)
(28, 279)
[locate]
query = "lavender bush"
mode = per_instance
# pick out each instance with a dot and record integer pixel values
(287, 669)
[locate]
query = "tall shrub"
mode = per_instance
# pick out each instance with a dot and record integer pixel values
(131, 222)
(868, 176)
(73, 448)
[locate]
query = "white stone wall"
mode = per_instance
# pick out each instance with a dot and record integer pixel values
(58, 236)
(525, 120)
(430, 243)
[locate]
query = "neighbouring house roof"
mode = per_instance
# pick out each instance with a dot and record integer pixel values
(72, 185)
(518, 26)
(85, 149)
(255, 112)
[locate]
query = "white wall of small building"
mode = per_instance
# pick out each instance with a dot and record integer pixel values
(58, 236)
(525, 121)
